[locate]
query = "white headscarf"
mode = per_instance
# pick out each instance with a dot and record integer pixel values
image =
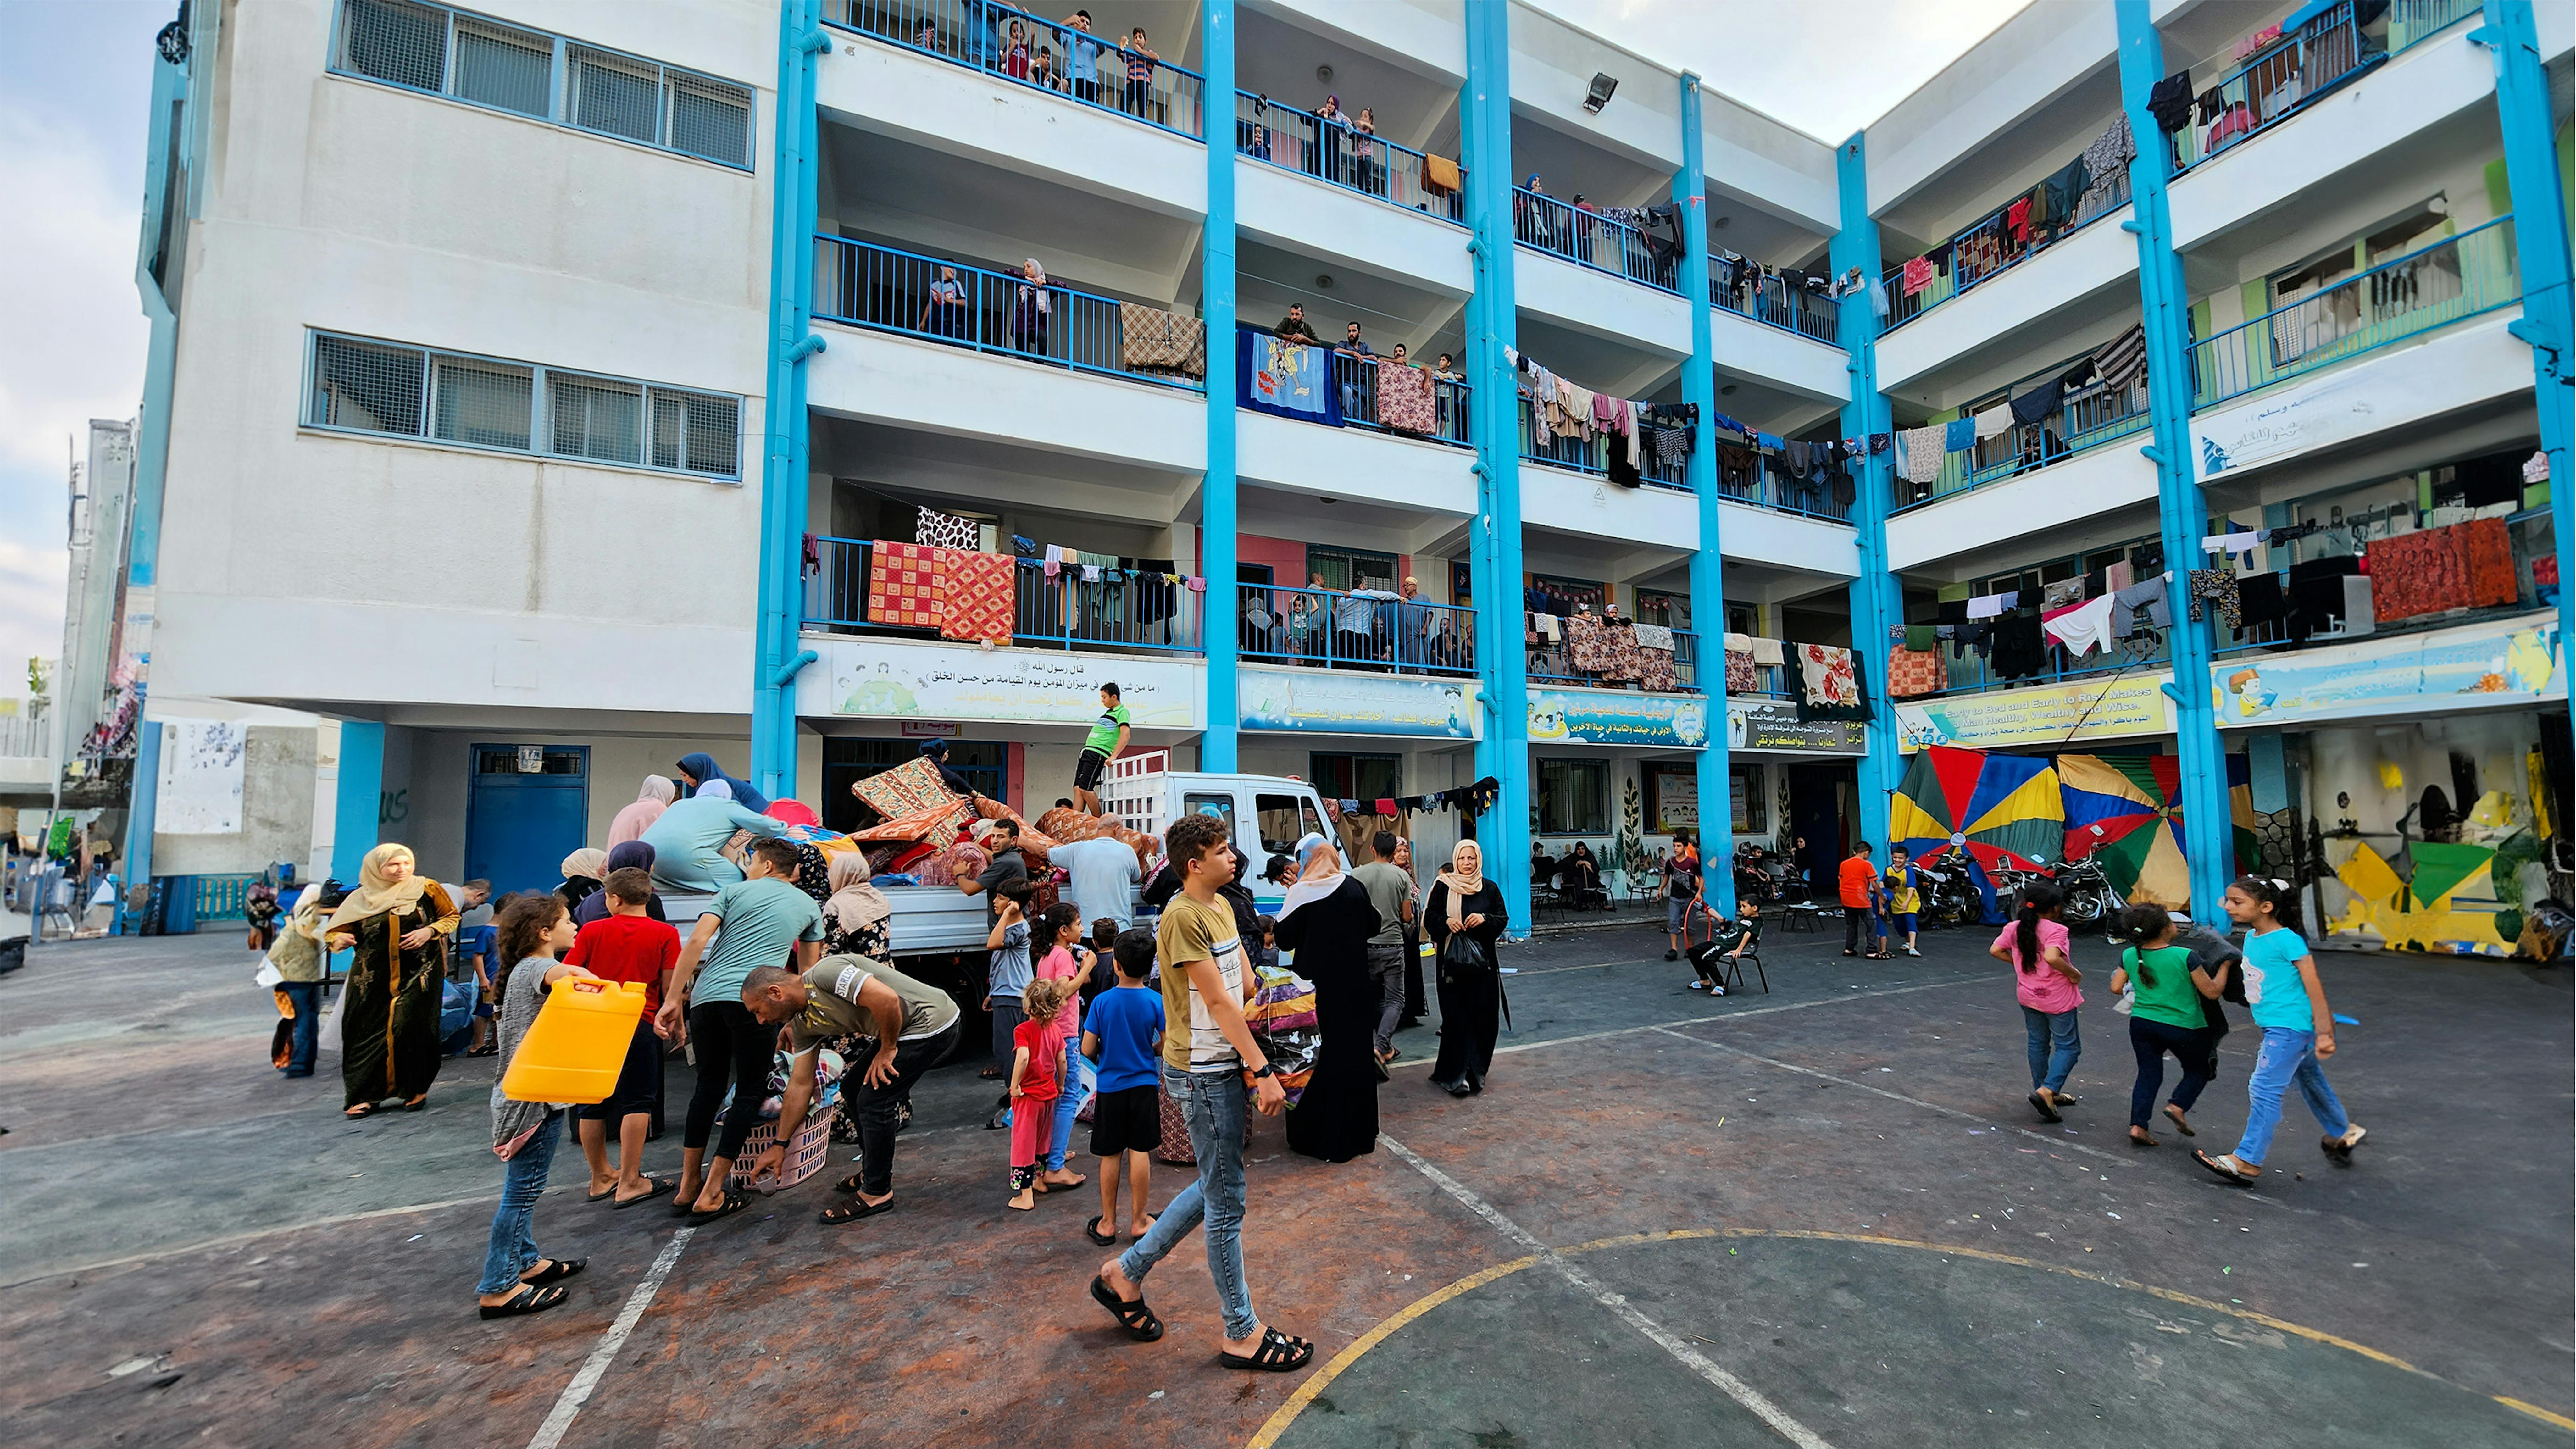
(1464, 877)
(718, 789)
(1036, 284)
(1319, 873)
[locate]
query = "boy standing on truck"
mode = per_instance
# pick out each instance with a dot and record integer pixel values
(1108, 737)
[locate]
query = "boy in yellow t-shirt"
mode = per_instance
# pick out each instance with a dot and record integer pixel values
(1904, 897)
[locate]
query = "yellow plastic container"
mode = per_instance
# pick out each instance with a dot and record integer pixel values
(578, 1044)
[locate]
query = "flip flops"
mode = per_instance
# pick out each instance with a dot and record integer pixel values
(734, 1202)
(2047, 1109)
(653, 1187)
(526, 1300)
(557, 1269)
(2222, 1170)
(1092, 1231)
(853, 1210)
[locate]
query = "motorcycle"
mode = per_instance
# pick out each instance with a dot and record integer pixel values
(1949, 892)
(2090, 899)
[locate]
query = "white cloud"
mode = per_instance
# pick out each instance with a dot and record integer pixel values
(72, 334)
(31, 608)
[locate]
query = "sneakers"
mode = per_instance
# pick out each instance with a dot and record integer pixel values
(1910, 951)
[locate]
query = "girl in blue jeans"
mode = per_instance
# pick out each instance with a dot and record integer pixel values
(535, 929)
(2298, 1031)
(2036, 945)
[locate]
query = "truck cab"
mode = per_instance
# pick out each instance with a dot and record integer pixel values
(1265, 814)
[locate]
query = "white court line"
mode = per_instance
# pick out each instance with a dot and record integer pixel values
(575, 1394)
(1558, 1041)
(1582, 1282)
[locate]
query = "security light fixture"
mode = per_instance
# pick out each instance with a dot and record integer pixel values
(1324, 73)
(1324, 280)
(1727, 391)
(1599, 95)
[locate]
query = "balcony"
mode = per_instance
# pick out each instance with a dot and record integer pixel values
(1589, 239)
(2455, 278)
(2085, 418)
(2321, 47)
(1553, 663)
(1769, 300)
(1986, 249)
(1591, 454)
(1003, 43)
(1117, 611)
(863, 285)
(1334, 153)
(1354, 400)
(1368, 630)
(1758, 477)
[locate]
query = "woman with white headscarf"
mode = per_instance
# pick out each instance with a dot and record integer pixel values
(1465, 914)
(389, 1023)
(635, 819)
(583, 872)
(1327, 921)
(688, 847)
(1030, 310)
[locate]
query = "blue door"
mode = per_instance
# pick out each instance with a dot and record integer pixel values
(527, 807)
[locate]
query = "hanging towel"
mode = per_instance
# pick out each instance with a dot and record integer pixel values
(1439, 173)
(1920, 637)
(1985, 606)
(2118, 576)
(1768, 651)
(1654, 636)
(1993, 421)
(2064, 594)
(1739, 643)
(1913, 673)
(1918, 275)
(2082, 629)
(945, 530)
(1549, 630)
(2037, 403)
(1960, 435)
(1830, 679)
(2123, 359)
(2231, 544)
(1921, 457)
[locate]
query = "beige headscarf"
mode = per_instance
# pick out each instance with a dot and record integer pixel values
(1464, 877)
(589, 861)
(375, 895)
(854, 903)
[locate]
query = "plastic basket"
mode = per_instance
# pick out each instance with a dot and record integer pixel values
(804, 1155)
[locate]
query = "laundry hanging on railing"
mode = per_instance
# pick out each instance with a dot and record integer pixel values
(1912, 673)
(1290, 379)
(945, 530)
(1404, 399)
(1153, 340)
(2122, 362)
(1831, 684)
(2106, 165)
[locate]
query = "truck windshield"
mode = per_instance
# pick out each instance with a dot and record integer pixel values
(1281, 824)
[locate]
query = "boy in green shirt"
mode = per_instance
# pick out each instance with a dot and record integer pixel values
(1108, 736)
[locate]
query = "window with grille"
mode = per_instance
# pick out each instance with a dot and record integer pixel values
(1344, 568)
(487, 62)
(366, 386)
(1573, 797)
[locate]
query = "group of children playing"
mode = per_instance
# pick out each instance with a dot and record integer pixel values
(2178, 977)
(1879, 904)
(1089, 1013)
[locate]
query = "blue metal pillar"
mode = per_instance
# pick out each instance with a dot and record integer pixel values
(1502, 752)
(143, 802)
(779, 651)
(1707, 566)
(2209, 844)
(2540, 244)
(360, 803)
(1218, 543)
(1877, 604)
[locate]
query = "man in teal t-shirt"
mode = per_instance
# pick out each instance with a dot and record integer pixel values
(1108, 736)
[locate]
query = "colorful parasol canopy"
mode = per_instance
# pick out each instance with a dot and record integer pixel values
(2126, 812)
(2000, 811)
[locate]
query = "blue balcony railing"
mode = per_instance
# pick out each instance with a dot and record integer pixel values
(1768, 299)
(2403, 297)
(1587, 238)
(1766, 482)
(1592, 454)
(2278, 82)
(865, 285)
(1333, 152)
(2085, 418)
(1006, 43)
(1986, 249)
(1338, 629)
(1065, 611)
(1553, 663)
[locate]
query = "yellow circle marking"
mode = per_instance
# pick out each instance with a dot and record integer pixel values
(1267, 1437)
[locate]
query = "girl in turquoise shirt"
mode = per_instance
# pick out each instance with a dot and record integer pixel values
(2298, 1031)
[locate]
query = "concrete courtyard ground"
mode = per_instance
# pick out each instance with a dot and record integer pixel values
(1821, 1216)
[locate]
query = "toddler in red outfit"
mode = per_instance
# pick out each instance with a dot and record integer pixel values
(1036, 1057)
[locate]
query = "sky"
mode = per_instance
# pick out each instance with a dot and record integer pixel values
(76, 80)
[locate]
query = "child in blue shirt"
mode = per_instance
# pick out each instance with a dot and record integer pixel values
(2298, 1031)
(1123, 1034)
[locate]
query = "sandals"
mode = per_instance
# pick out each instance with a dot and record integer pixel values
(653, 1187)
(527, 1300)
(363, 1109)
(2141, 1137)
(557, 1269)
(853, 1210)
(596, 1196)
(2339, 1149)
(2225, 1173)
(2047, 1109)
(1278, 1353)
(2182, 1124)
(1092, 1231)
(417, 1103)
(851, 1183)
(1133, 1316)
(734, 1202)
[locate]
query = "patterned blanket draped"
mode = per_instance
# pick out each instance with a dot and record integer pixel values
(1404, 399)
(904, 584)
(977, 597)
(1153, 340)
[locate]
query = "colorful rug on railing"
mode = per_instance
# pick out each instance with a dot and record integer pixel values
(1404, 399)
(976, 593)
(904, 587)
(1153, 340)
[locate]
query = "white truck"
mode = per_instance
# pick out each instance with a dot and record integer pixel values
(935, 924)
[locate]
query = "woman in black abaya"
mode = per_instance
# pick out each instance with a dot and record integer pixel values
(1327, 921)
(1466, 906)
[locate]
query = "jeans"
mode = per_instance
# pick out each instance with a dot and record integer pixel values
(1075, 1076)
(1386, 968)
(307, 1031)
(2286, 1056)
(1213, 1105)
(878, 1109)
(513, 1250)
(2195, 1047)
(2054, 1046)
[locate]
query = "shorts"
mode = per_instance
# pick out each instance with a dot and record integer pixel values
(1903, 923)
(633, 1093)
(1127, 1120)
(1086, 771)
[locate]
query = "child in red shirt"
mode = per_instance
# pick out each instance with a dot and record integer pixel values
(1036, 1059)
(627, 945)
